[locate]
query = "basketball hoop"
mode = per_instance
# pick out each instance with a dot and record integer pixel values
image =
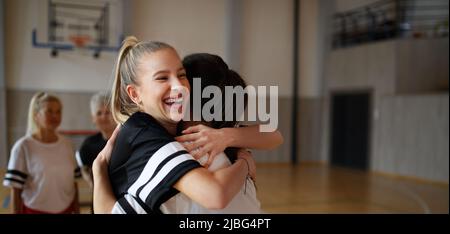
(84, 27)
(80, 41)
(80, 44)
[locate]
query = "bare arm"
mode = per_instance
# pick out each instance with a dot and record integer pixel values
(213, 190)
(16, 201)
(104, 198)
(250, 137)
(201, 140)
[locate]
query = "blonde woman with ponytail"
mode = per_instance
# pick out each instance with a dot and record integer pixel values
(148, 166)
(42, 169)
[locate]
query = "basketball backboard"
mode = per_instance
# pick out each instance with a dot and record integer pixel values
(93, 25)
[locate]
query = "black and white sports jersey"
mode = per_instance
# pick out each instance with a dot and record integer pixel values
(145, 164)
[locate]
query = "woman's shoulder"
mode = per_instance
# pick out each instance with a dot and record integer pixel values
(139, 135)
(23, 141)
(142, 126)
(22, 146)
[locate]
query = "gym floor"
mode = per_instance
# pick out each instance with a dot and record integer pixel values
(321, 189)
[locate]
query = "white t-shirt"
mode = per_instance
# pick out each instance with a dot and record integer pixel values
(244, 202)
(45, 172)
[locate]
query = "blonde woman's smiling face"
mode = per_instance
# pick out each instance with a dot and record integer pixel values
(163, 87)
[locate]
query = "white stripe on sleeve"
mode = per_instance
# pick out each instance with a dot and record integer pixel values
(133, 203)
(153, 163)
(14, 177)
(117, 209)
(167, 168)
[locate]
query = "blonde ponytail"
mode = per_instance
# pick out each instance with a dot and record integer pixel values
(125, 73)
(117, 94)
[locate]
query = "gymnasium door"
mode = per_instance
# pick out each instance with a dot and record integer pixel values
(350, 125)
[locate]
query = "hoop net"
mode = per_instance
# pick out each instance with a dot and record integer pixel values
(80, 40)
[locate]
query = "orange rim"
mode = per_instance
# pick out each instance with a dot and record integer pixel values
(80, 40)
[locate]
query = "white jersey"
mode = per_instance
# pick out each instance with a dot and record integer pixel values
(45, 173)
(244, 202)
